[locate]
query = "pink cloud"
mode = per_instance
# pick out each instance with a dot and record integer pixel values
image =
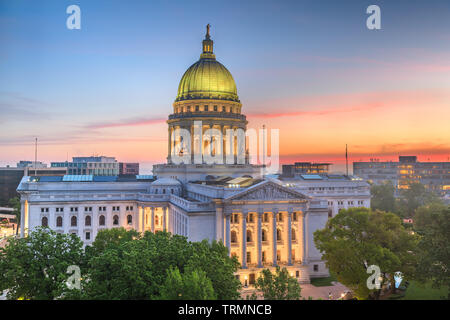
(126, 123)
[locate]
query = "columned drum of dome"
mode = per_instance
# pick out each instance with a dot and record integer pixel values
(207, 93)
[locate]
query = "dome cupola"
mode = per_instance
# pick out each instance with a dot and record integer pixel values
(207, 78)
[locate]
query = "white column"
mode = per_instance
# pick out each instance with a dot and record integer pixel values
(259, 217)
(274, 235)
(153, 219)
(164, 218)
(244, 239)
(22, 218)
(228, 232)
(304, 238)
(219, 223)
(289, 240)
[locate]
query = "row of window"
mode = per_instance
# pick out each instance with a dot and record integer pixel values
(206, 108)
(263, 256)
(265, 218)
(264, 237)
(350, 203)
(87, 209)
(87, 221)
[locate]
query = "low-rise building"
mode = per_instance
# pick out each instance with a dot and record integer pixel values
(434, 175)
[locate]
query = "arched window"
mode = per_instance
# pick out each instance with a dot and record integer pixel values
(101, 220)
(249, 236)
(44, 222)
(233, 237)
(87, 221)
(59, 221)
(129, 219)
(116, 220)
(264, 235)
(73, 221)
(293, 236)
(278, 235)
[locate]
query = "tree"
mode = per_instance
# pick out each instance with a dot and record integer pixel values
(15, 204)
(126, 265)
(193, 285)
(432, 222)
(414, 197)
(359, 237)
(35, 267)
(278, 286)
(213, 259)
(382, 197)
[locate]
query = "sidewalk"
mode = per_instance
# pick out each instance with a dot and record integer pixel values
(308, 290)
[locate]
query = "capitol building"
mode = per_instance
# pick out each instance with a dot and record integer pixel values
(264, 222)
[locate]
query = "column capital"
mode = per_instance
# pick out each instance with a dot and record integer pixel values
(290, 211)
(244, 213)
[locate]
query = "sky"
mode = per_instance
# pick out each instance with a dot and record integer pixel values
(311, 69)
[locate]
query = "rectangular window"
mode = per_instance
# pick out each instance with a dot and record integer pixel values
(206, 108)
(249, 257)
(88, 236)
(316, 267)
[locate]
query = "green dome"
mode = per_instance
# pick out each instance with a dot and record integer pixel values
(207, 78)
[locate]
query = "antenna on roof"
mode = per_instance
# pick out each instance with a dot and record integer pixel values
(35, 155)
(346, 160)
(264, 150)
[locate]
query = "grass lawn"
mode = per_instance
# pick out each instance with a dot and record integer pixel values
(417, 291)
(323, 282)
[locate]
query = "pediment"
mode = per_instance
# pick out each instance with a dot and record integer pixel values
(268, 190)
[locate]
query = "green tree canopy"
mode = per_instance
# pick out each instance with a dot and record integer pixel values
(219, 267)
(432, 222)
(278, 286)
(382, 197)
(360, 237)
(126, 265)
(414, 197)
(35, 267)
(193, 285)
